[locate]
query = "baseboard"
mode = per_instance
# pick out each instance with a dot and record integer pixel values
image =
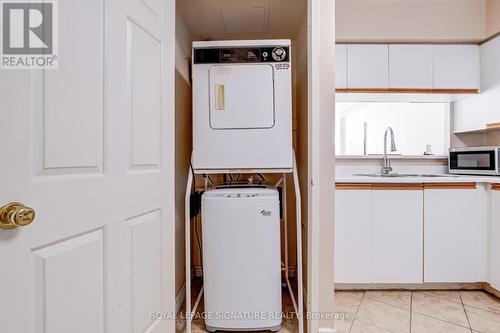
(410, 286)
(180, 299)
(491, 290)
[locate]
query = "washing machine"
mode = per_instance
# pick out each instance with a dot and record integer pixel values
(241, 259)
(242, 104)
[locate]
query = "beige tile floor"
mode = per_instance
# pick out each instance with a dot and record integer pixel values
(289, 325)
(417, 312)
(402, 312)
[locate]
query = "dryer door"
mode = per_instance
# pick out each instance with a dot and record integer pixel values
(241, 96)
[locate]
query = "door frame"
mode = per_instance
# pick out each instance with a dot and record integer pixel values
(321, 165)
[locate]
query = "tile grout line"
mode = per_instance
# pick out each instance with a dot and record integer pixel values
(387, 303)
(411, 308)
(439, 319)
(357, 310)
(465, 310)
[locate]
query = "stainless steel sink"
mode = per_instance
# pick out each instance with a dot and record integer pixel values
(402, 175)
(389, 175)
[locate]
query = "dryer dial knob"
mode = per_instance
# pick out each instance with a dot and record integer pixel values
(279, 54)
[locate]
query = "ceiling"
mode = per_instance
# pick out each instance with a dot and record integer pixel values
(237, 19)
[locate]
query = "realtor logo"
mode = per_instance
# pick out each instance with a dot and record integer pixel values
(29, 34)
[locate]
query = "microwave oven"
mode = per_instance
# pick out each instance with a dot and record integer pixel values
(475, 161)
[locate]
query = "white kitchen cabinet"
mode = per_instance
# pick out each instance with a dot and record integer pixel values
(455, 234)
(469, 114)
(480, 112)
(456, 67)
(397, 236)
(341, 66)
(495, 239)
(490, 77)
(368, 66)
(352, 236)
(410, 66)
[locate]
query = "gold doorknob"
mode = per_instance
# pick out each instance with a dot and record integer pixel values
(15, 215)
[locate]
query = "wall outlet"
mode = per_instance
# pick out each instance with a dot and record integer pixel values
(327, 330)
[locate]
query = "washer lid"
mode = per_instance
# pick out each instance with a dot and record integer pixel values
(241, 96)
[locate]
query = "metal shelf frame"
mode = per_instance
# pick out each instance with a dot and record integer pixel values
(298, 302)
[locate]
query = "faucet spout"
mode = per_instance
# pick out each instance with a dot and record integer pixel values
(387, 168)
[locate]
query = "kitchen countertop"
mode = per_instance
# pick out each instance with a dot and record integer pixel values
(397, 157)
(413, 180)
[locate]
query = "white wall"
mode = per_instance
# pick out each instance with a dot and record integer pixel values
(492, 17)
(349, 166)
(411, 20)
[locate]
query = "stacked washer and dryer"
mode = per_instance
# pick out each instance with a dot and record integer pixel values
(242, 120)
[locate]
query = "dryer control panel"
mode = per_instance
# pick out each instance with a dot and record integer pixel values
(242, 55)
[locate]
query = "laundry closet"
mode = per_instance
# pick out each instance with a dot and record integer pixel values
(241, 132)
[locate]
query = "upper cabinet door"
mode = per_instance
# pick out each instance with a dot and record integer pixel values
(368, 66)
(490, 77)
(456, 67)
(341, 66)
(410, 67)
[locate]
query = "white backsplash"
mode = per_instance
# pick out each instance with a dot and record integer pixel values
(418, 166)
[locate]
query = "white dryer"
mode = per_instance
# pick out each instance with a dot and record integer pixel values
(242, 105)
(241, 259)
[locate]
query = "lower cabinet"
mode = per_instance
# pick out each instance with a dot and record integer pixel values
(403, 233)
(455, 234)
(352, 236)
(495, 237)
(378, 235)
(397, 236)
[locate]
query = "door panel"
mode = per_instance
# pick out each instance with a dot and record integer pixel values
(397, 236)
(341, 66)
(459, 216)
(495, 239)
(94, 159)
(410, 66)
(146, 245)
(73, 301)
(156, 8)
(66, 115)
(456, 67)
(367, 66)
(352, 236)
(144, 81)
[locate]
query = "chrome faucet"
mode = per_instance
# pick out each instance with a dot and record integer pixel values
(386, 169)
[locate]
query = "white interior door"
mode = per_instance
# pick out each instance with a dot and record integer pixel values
(89, 147)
